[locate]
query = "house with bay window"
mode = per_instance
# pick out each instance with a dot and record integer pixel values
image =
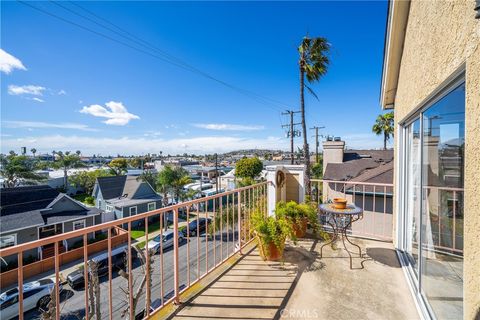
(35, 212)
(431, 79)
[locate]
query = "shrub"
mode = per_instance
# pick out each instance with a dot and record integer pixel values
(90, 200)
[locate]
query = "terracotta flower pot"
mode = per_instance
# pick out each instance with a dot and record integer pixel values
(300, 228)
(271, 252)
(340, 203)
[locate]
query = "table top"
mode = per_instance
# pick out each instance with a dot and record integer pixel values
(351, 209)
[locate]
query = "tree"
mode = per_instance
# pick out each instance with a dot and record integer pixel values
(118, 166)
(248, 168)
(150, 177)
(172, 179)
(87, 179)
(384, 125)
(313, 63)
(17, 170)
(65, 162)
(33, 150)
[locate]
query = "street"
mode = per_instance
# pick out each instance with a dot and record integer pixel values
(73, 301)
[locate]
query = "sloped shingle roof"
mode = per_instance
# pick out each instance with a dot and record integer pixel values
(29, 198)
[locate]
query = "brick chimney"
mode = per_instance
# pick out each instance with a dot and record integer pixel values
(332, 152)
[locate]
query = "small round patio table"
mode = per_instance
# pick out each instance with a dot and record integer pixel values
(340, 220)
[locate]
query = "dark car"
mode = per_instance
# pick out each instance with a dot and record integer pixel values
(76, 279)
(193, 229)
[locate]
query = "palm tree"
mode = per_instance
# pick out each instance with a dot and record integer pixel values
(33, 150)
(67, 161)
(313, 63)
(384, 125)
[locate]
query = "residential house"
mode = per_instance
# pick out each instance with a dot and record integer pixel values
(359, 169)
(34, 212)
(431, 79)
(124, 196)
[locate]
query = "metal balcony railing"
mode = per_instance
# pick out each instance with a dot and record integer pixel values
(444, 205)
(159, 278)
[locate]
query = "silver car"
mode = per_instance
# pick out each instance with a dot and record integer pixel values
(166, 240)
(36, 294)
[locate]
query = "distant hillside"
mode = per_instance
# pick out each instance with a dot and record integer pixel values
(259, 152)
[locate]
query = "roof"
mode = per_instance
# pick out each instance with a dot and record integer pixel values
(125, 202)
(111, 187)
(362, 166)
(123, 187)
(393, 50)
(28, 198)
(31, 206)
(21, 220)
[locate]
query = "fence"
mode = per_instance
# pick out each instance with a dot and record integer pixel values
(201, 240)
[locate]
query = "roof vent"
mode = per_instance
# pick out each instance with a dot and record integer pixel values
(337, 139)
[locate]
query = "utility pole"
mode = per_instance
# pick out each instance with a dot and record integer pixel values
(291, 132)
(316, 141)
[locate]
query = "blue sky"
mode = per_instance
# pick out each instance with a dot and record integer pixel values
(64, 88)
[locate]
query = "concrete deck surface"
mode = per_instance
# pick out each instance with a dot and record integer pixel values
(304, 286)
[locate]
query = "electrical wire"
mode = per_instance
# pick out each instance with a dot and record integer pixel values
(160, 54)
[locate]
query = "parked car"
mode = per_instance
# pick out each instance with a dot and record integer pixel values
(76, 279)
(166, 240)
(193, 229)
(36, 294)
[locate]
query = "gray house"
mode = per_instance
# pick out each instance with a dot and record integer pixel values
(34, 212)
(124, 196)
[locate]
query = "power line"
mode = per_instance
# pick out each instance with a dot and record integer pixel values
(291, 132)
(316, 141)
(164, 56)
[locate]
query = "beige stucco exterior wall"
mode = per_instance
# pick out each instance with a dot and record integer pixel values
(442, 36)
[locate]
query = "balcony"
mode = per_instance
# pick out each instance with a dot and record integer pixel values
(214, 271)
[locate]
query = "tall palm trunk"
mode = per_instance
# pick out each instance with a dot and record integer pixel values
(306, 152)
(384, 141)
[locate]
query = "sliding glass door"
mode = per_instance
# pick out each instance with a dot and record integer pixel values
(433, 202)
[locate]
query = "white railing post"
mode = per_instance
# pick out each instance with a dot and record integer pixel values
(239, 227)
(175, 257)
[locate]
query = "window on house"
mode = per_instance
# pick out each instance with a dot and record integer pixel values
(8, 241)
(152, 206)
(80, 224)
(109, 208)
(133, 211)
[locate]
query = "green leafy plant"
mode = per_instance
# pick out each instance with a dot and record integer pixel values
(298, 214)
(271, 230)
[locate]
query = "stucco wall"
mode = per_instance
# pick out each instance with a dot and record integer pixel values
(441, 36)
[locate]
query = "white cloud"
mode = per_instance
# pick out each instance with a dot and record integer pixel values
(227, 127)
(38, 99)
(127, 145)
(115, 112)
(9, 62)
(15, 90)
(62, 92)
(46, 125)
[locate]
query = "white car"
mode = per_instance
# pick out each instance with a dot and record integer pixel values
(36, 294)
(167, 241)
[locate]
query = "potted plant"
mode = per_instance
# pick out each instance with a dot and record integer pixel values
(271, 233)
(299, 216)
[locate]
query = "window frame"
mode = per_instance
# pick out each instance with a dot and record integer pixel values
(83, 221)
(14, 235)
(154, 206)
(130, 211)
(109, 208)
(448, 86)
